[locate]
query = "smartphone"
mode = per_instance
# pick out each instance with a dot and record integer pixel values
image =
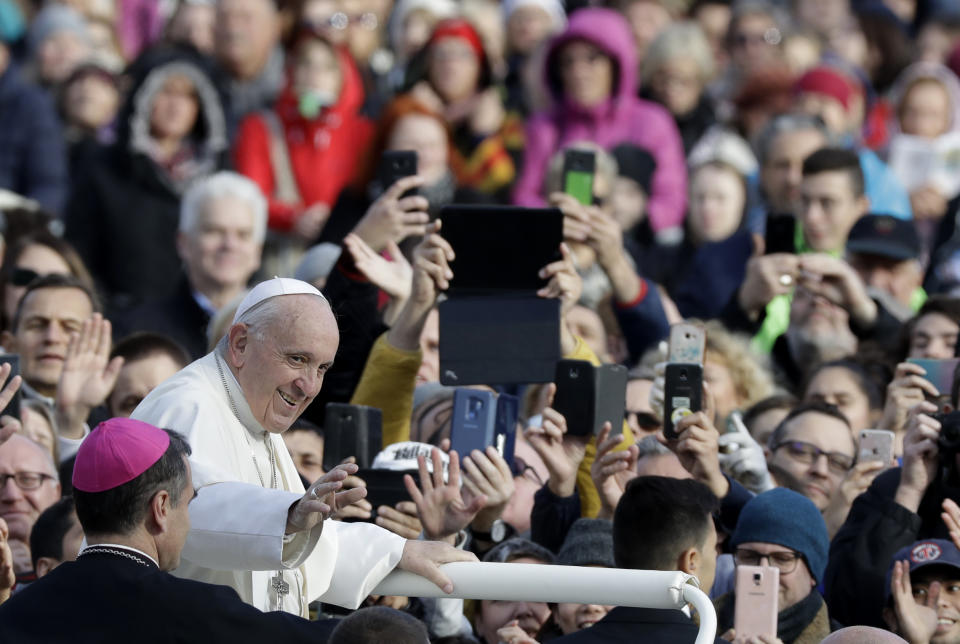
(474, 420)
(682, 394)
(780, 234)
(351, 430)
(12, 409)
(875, 445)
(589, 396)
(395, 165)
(755, 612)
(940, 374)
(386, 487)
(578, 170)
(687, 343)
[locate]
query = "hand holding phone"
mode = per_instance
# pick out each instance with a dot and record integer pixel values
(876, 445)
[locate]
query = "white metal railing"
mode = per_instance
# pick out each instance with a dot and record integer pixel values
(567, 584)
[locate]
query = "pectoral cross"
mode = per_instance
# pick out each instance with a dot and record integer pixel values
(281, 587)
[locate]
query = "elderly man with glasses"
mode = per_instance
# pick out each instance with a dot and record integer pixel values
(812, 451)
(782, 529)
(28, 486)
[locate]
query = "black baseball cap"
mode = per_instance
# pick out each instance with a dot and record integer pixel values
(884, 236)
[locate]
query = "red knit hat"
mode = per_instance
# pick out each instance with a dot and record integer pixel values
(827, 81)
(459, 28)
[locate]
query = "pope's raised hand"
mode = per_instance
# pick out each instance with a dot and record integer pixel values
(323, 498)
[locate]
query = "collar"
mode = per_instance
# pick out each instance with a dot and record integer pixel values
(203, 302)
(105, 548)
(235, 395)
(33, 394)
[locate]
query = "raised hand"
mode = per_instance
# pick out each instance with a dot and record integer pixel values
(8, 424)
(359, 509)
(88, 375)
(561, 453)
(855, 483)
(835, 279)
(611, 471)
(442, 508)
(951, 518)
(402, 519)
(513, 634)
(564, 281)
(920, 455)
(917, 616)
(767, 276)
(907, 389)
(393, 276)
(393, 217)
(323, 498)
(487, 475)
(7, 575)
(697, 447)
(311, 221)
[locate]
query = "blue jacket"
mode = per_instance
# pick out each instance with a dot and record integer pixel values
(33, 157)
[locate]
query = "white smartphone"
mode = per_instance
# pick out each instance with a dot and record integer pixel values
(875, 445)
(687, 344)
(755, 612)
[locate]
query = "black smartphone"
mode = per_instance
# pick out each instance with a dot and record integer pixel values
(682, 394)
(578, 169)
(12, 409)
(780, 234)
(386, 487)
(395, 165)
(588, 396)
(351, 430)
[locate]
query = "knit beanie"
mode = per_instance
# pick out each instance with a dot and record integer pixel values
(826, 81)
(788, 519)
(589, 543)
(55, 19)
(459, 28)
(634, 162)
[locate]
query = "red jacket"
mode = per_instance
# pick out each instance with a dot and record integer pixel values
(324, 152)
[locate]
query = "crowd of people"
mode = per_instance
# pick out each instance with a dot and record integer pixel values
(200, 251)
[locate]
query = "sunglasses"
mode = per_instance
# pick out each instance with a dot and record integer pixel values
(645, 420)
(23, 276)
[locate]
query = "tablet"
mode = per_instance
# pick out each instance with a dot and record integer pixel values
(500, 248)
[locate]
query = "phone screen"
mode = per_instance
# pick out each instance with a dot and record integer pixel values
(578, 169)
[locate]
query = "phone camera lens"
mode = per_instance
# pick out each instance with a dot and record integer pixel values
(683, 374)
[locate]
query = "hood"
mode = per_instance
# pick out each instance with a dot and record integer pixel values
(348, 104)
(210, 138)
(607, 30)
(933, 71)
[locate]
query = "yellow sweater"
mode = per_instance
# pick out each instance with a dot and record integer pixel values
(388, 381)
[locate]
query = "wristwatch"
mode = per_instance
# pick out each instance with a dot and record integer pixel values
(499, 532)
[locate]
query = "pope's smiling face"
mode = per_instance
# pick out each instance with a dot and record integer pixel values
(280, 367)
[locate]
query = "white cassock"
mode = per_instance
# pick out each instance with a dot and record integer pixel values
(237, 526)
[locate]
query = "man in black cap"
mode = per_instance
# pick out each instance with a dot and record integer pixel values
(885, 252)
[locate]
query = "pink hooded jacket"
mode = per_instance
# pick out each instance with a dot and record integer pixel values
(623, 118)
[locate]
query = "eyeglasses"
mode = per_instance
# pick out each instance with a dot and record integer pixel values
(786, 561)
(771, 36)
(807, 453)
(645, 420)
(25, 480)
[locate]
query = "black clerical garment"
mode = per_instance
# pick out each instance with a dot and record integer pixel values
(111, 595)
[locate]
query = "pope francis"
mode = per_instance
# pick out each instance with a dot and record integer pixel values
(253, 527)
